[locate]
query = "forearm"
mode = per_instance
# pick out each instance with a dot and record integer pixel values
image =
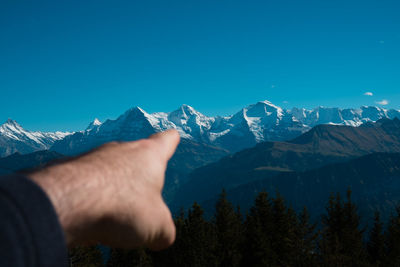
(68, 190)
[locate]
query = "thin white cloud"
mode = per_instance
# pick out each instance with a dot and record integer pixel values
(368, 93)
(383, 102)
(285, 102)
(273, 86)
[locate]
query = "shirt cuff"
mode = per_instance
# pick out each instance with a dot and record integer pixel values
(40, 218)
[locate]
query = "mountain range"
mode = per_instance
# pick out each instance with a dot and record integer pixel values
(14, 138)
(256, 123)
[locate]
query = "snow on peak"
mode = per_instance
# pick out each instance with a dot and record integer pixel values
(132, 115)
(371, 113)
(262, 121)
(96, 123)
(11, 124)
(269, 103)
(188, 115)
(11, 127)
(135, 110)
(264, 110)
(181, 115)
(28, 141)
(259, 117)
(188, 109)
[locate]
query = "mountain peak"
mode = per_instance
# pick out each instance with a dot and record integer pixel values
(187, 109)
(268, 103)
(135, 111)
(263, 109)
(385, 122)
(181, 115)
(11, 125)
(184, 110)
(11, 121)
(95, 123)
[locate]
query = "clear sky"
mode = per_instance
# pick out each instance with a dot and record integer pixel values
(63, 63)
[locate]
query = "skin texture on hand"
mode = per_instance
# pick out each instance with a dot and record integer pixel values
(112, 194)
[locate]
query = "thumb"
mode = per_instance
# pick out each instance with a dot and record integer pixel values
(168, 142)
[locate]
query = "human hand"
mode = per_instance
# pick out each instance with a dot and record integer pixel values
(112, 194)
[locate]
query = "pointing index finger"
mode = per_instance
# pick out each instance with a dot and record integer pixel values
(168, 141)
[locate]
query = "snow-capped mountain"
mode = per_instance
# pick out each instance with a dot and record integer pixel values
(94, 125)
(256, 123)
(14, 138)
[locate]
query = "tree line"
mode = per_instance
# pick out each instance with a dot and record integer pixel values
(271, 233)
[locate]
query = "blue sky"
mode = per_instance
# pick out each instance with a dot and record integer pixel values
(63, 63)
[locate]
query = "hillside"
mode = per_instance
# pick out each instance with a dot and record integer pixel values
(322, 145)
(374, 180)
(17, 161)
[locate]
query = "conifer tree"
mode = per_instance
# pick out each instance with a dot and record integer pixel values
(176, 254)
(342, 239)
(393, 240)
(330, 246)
(129, 258)
(376, 243)
(228, 226)
(86, 256)
(201, 239)
(257, 248)
(283, 233)
(305, 245)
(352, 238)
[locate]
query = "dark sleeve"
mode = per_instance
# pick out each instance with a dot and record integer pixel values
(30, 233)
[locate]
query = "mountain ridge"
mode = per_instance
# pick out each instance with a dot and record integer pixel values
(374, 180)
(324, 144)
(255, 123)
(19, 162)
(14, 138)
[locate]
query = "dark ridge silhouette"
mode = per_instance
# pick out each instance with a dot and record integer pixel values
(19, 162)
(322, 145)
(374, 180)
